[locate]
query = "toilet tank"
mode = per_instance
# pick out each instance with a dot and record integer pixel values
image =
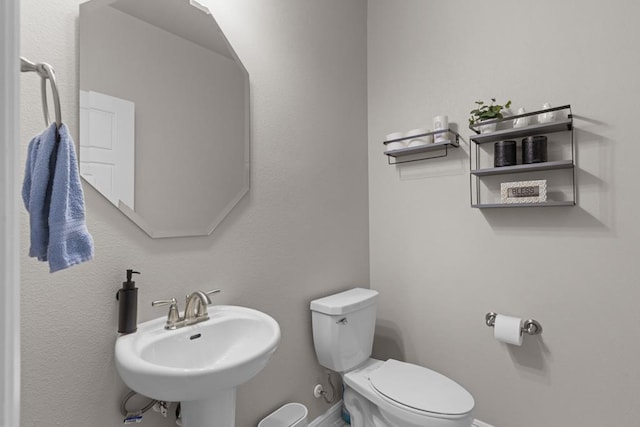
(343, 328)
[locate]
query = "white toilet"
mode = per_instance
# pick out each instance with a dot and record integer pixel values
(381, 393)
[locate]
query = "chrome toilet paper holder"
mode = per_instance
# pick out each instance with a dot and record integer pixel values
(529, 326)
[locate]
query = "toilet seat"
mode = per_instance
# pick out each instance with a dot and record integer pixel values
(421, 389)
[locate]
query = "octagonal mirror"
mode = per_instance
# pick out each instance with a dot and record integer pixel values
(164, 114)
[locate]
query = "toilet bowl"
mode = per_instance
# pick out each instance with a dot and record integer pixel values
(381, 393)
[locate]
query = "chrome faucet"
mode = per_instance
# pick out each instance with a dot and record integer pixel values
(196, 308)
(194, 312)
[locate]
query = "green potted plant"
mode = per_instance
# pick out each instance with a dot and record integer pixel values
(484, 112)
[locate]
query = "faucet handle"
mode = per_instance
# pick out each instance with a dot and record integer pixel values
(174, 316)
(164, 302)
(215, 291)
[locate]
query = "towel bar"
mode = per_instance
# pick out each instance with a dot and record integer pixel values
(45, 71)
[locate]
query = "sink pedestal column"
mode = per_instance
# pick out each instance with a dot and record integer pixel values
(219, 410)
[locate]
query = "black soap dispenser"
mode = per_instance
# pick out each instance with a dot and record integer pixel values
(128, 305)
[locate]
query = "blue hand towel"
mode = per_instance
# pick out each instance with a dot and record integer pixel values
(36, 193)
(52, 193)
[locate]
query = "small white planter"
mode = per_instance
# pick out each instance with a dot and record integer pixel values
(488, 128)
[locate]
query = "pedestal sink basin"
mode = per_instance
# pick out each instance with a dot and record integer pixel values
(198, 365)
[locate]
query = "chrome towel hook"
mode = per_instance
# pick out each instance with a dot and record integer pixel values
(46, 72)
(529, 326)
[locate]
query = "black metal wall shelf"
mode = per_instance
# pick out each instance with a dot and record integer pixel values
(530, 130)
(476, 172)
(559, 164)
(523, 205)
(422, 149)
(537, 129)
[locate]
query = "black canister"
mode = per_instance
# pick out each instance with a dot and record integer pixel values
(534, 149)
(127, 298)
(504, 153)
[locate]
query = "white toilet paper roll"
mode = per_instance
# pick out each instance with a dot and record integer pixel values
(506, 329)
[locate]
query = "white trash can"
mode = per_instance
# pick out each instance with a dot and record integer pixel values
(290, 415)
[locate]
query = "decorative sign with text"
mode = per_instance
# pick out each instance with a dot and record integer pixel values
(524, 191)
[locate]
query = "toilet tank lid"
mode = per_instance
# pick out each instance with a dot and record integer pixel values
(345, 302)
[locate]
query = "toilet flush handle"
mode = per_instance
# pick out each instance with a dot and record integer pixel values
(342, 321)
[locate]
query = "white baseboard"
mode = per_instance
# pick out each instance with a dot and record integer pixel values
(331, 418)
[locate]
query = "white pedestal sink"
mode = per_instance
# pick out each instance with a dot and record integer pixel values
(199, 365)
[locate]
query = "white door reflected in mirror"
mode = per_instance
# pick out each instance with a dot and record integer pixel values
(107, 146)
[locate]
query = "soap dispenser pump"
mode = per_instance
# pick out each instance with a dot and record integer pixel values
(127, 297)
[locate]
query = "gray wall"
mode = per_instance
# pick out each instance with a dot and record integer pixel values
(440, 265)
(301, 232)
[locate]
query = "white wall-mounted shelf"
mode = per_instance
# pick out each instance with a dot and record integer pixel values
(562, 124)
